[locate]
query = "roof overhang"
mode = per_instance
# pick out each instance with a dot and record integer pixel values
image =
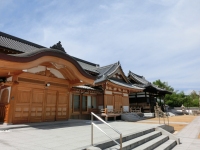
(125, 86)
(15, 64)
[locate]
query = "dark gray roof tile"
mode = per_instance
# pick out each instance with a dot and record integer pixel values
(137, 78)
(126, 84)
(17, 44)
(88, 67)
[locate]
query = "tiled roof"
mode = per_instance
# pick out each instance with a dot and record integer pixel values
(87, 65)
(138, 79)
(20, 45)
(17, 44)
(143, 83)
(118, 82)
(107, 72)
(37, 51)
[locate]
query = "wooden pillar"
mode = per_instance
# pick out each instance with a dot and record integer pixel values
(80, 105)
(10, 110)
(104, 97)
(136, 98)
(160, 100)
(145, 96)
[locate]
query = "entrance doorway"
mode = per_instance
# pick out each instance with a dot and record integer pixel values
(81, 106)
(40, 105)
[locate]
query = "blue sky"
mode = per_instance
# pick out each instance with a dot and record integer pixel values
(159, 39)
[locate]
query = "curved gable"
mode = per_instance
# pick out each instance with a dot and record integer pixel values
(57, 60)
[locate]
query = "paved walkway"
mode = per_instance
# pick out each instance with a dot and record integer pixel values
(65, 135)
(75, 134)
(189, 136)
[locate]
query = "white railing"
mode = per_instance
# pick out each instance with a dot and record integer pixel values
(93, 124)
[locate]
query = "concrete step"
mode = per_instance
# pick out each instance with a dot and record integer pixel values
(168, 145)
(137, 141)
(153, 143)
(130, 117)
(109, 143)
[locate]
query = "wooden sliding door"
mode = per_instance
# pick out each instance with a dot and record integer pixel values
(37, 105)
(50, 105)
(22, 105)
(62, 106)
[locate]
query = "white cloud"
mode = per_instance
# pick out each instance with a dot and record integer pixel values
(157, 39)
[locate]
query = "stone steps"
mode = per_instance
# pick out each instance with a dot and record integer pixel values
(137, 141)
(168, 145)
(125, 138)
(144, 140)
(153, 143)
(130, 117)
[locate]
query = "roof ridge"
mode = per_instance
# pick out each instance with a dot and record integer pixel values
(106, 66)
(20, 40)
(130, 72)
(114, 70)
(109, 69)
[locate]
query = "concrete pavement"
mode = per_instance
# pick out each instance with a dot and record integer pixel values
(65, 135)
(189, 136)
(76, 134)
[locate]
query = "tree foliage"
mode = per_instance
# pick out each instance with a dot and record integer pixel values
(163, 85)
(176, 99)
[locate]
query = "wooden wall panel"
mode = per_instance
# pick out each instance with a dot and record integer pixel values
(100, 100)
(37, 104)
(62, 106)
(108, 100)
(23, 95)
(50, 106)
(125, 101)
(118, 102)
(22, 105)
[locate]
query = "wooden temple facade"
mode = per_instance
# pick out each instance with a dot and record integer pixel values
(40, 84)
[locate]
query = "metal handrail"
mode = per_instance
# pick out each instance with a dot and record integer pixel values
(93, 124)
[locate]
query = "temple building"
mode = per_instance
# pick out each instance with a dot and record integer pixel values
(40, 84)
(147, 99)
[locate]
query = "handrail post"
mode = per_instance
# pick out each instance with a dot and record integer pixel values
(91, 129)
(93, 124)
(120, 141)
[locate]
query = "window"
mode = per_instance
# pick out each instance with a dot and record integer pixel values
(76, 102)
(84, 103)
(94, 102)
(88, 102)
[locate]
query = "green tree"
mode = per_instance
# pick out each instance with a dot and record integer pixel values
(163, 85)
(176, 99)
